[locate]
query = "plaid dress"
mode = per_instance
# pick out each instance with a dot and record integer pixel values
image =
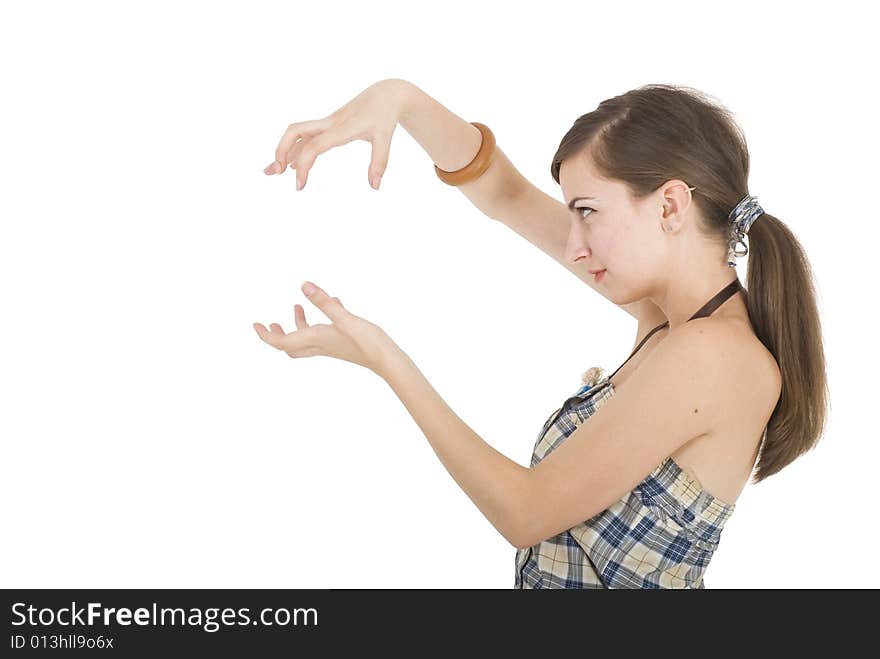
(662, 534)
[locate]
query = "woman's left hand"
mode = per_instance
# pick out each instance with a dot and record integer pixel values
(349, 337)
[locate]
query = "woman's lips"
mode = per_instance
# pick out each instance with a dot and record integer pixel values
(599, 275)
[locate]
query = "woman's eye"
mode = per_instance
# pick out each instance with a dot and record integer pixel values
(581, 209)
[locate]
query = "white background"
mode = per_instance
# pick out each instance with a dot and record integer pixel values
(150, 439)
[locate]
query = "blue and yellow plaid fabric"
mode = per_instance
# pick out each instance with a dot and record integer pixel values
(662, 534)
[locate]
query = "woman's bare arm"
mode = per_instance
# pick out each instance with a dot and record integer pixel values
(502, 193)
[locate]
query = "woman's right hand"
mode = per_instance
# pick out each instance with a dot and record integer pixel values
(372, 116)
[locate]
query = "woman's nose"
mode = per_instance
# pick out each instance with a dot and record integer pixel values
(578, 250)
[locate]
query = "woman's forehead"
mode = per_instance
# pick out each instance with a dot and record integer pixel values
(580, 174)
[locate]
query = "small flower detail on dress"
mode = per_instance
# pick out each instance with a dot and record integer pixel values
(592, 375)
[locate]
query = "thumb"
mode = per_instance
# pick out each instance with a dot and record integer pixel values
(378, 160)
(331, 307)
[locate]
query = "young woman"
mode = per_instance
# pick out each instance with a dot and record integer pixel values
(722, 380)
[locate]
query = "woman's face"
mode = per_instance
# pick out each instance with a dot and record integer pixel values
(613, 232)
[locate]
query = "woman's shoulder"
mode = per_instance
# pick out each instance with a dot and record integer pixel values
(749, 396)
(752, 349)
(757, 368)
(733, 334)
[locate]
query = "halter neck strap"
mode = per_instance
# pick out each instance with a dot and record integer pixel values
(717, 300)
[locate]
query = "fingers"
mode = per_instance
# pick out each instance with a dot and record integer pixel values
(303, 142)
(266, 335)
(298, 343)
(293, 154)
(293, 344)
(291, 135)
(272, 335)
(378, 160)
(299, 317)
(311, 149)
(298, 340)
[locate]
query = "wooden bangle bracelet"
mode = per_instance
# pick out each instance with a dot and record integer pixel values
(475, 168)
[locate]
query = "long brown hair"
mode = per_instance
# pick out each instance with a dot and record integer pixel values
(657, 132)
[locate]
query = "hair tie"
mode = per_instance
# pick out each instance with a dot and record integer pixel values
(741, 218)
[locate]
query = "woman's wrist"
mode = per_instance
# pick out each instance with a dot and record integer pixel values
(450, 141)
(388, 359)
(401, 94)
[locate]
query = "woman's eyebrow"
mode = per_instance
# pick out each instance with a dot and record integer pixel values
(572, 202)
